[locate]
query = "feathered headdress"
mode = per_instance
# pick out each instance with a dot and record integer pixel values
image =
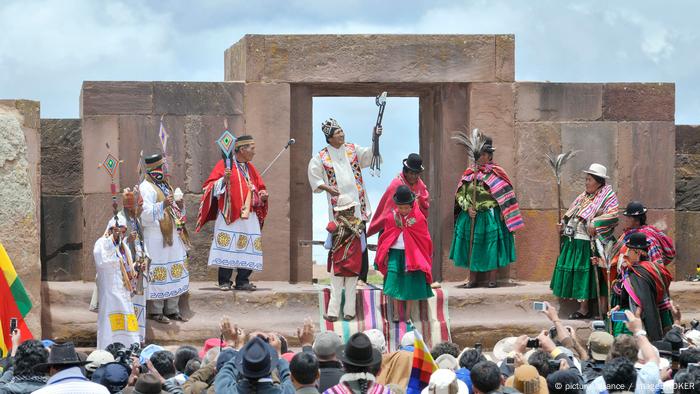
(474, 143)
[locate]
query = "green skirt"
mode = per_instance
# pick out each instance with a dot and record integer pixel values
(494, 244)
(402, 285)
(573, 276)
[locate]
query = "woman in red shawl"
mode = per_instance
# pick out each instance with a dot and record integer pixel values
(410, 176)
(404, 252)
(236, 197)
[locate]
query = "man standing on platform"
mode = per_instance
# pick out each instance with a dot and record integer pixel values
(236, 198)
(337, 169)
(166, 240)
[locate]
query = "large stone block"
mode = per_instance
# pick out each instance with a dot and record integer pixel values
(645, 163)
(97, 210)
(491, 111)
(115, 98)
(263, 127)
(198, 98)
(201, 242)
(202, 152)
(62, 237)
(100, 136)
(368, 58)
(688, 139)
(639, 101)
(19, 198)
(544, 101)
(61, 156)
(140, 133)
(687, 243)
(505, 57)
(597, 142)
(687, 193)
(535, 183)
(537, 245)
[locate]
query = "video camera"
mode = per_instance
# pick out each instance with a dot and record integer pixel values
(124, 354)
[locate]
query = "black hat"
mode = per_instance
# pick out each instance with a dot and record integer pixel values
(675, 339)
(153, 158)
(635, 208)
(488, 145)
(257, 359)
(62, 354)
(115, 376)
(359, 352)
(147, 383)
(413, 163)
(403, 195)
(637, 241)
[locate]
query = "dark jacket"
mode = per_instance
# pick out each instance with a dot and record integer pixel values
(230, 380)
(331, 371)
(592, 369)
(23, 385)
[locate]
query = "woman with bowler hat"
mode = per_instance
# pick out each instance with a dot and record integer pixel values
(642, 286)
(362, 363)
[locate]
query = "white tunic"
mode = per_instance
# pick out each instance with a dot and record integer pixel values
(344, 176)
(168, 274)
(116, 318)
(236, 245)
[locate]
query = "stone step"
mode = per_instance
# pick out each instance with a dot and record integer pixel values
(476, 315)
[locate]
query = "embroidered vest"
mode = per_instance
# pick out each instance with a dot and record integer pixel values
(356, 171)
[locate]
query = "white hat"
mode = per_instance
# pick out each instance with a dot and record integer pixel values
(97, 359)
(693, 335)
(441, 381)
(408, 339)
(376, 337)
(447, 361)
(504, 347)
(598, 170)
(344, 202)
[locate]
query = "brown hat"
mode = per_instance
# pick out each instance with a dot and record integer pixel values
(528, 381)
(146, 384)
(599, 344)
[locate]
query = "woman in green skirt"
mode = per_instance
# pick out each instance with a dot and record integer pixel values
(591, 217)
(404, 253)
(486, 216)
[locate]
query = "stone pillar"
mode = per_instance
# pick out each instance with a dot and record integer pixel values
(20, 177)
(687, 200)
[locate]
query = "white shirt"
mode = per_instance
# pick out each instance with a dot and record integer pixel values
(344, 176)
(71, 381)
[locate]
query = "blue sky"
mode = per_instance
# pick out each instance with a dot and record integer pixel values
(48, 47)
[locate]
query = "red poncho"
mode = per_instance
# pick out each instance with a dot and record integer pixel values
(237, 192)
(386, 204)
(416, 238)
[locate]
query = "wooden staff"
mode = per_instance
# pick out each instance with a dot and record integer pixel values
(557, 164)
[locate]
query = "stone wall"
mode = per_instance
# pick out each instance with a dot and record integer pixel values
(687, 199)
(61, 199)
(20, 173)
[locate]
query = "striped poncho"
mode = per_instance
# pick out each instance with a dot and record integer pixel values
(600, 209)
(501, 189)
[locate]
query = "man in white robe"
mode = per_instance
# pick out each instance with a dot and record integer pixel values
(116, 319)
(337, 170)
(166, 241)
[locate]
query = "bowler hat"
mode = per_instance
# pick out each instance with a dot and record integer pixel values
(488, 145)
(63, 355)
(146, 384)
(637, 241)
(403, 195)
(257, 359)
(153, 158)
(635, 208)
(359, 352)
(413, 163)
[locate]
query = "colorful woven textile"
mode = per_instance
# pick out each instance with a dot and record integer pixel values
(423, 367)
(374, 310)
(600, 208)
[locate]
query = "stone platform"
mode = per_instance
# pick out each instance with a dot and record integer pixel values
(476, 315)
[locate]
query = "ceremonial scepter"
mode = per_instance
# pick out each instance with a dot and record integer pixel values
(557, 164)
(376, 163)
(226, 142)
(474, 143)
(290, 142)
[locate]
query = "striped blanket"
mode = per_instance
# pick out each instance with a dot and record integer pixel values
(502, 191)
(374, 310)
(600, 209)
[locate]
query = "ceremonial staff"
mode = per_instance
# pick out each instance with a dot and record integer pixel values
(474, 143)
(557, 164)
(376, 164)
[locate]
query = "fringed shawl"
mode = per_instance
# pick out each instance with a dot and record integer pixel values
(599, 209)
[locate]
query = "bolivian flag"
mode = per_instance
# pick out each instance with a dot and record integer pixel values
(14, 303)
